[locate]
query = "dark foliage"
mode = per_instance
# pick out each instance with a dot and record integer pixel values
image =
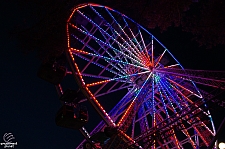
(44, 27)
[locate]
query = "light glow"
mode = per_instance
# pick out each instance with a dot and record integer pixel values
(222, 145)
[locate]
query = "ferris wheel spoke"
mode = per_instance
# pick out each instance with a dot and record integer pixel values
(140, 55)
(180, 93)
(79, 52)
(173, 96)
(90, 60)
(134, 40)
(116, 111)
(171, 66)
(169, 105)
(122, 29)
(107, 81)
(159, 58)
(138, 51)
(146, 54)
(152, 50)
(164, 94)
(150, 109)
(181, 86)
(176, 88)
(124, 49)
(159, 120)
(163, 101)
(97, 94)
(122, 109)
(199, 129)
(181, 101)
(131, 106)
(99, 65)
(93, 99)
(203, 77)
(99, 41)
(95, 76)
(153, 103)
(164, 90)
(120, 68)
(154, 108)
(112, 88)
(126, 84)
(129, 50)
(184, 129)
(106, 50)
(122, 104)
(110, 37)
(116, 79)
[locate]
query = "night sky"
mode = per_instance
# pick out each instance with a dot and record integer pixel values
(28, 104)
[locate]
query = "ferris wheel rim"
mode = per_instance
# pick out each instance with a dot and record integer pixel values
(80, 79)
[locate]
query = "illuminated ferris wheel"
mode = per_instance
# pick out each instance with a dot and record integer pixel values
(157, 101)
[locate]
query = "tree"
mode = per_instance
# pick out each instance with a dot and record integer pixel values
(206, 22)
(47, 34)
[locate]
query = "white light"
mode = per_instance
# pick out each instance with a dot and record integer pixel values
(222, 145)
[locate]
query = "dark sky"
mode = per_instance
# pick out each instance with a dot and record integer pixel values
(28, 104)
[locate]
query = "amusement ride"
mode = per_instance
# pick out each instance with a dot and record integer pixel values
(157, 104)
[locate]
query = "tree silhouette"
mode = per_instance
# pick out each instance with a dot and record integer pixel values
(46, 31)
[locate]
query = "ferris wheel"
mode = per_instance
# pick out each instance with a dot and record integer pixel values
(155, 101)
